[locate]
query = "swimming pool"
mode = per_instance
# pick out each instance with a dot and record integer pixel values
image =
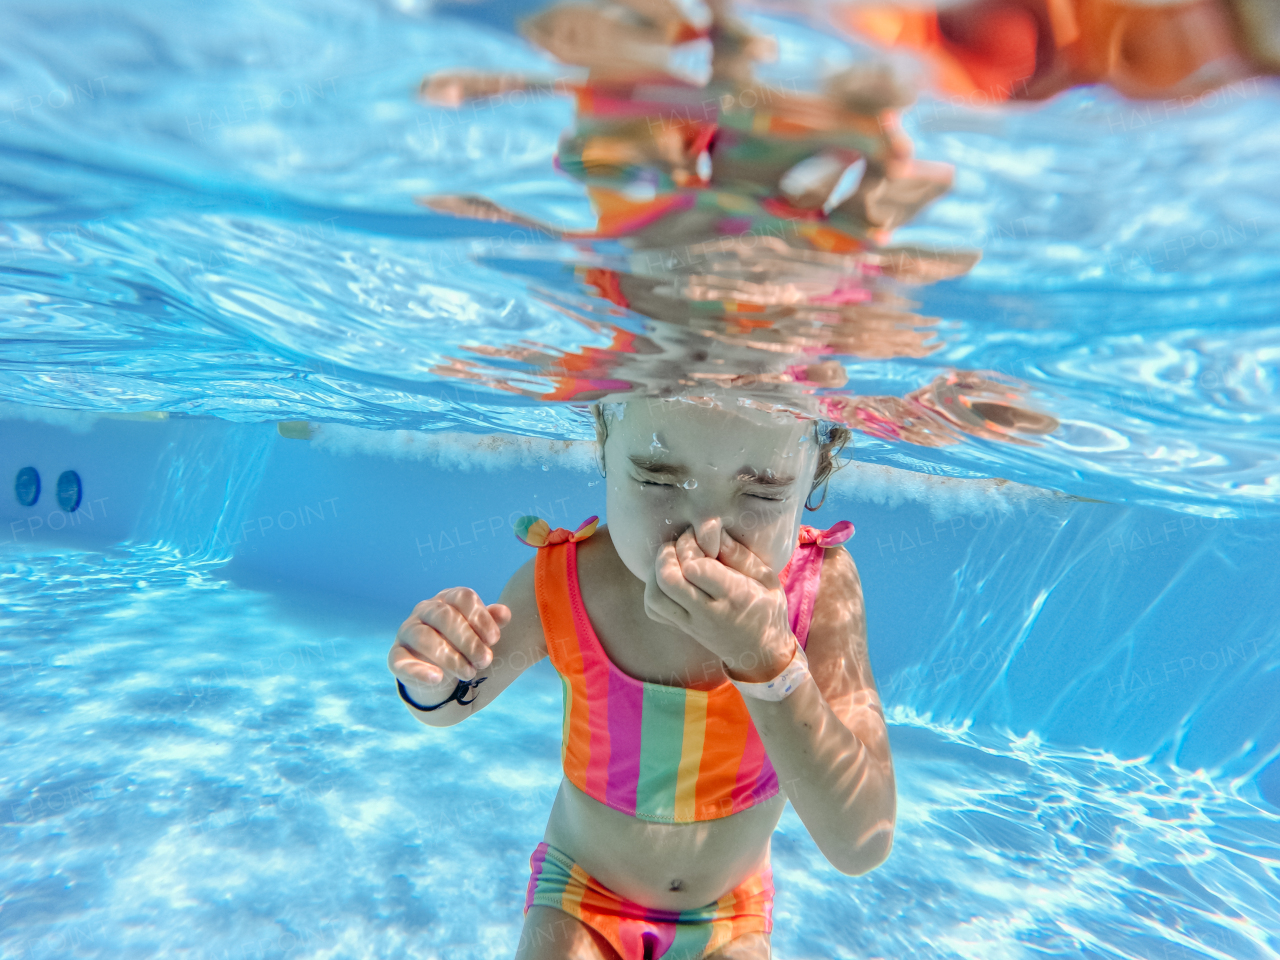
(214, 232)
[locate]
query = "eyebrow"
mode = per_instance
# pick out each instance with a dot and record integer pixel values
(653, 465)
(765, 479)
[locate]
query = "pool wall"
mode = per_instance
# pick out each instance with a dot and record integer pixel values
(1142, 632)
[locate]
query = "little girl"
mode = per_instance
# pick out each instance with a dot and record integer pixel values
(714, 664)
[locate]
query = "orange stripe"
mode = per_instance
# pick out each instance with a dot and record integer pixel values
(723, 744)
(552, 588)
(574, 891)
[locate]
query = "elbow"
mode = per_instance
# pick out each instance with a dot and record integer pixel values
(859, 858)
(436, 719)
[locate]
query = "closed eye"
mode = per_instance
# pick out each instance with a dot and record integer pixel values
(653, 483)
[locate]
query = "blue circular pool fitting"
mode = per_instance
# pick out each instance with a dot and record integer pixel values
(69, 491)
(27, 486)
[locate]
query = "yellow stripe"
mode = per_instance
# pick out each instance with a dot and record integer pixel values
(695, 728)
(722, 927)
(720, 934)
(574, 891)
(564, 723)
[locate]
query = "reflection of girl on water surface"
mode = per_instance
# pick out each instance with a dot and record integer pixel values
(713, 656)
(757, 222)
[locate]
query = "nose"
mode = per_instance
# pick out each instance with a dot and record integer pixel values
(699, 514)
(708, 509)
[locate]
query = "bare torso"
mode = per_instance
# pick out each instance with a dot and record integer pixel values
(669, 866)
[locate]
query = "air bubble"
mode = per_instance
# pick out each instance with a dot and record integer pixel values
(545, 467)
(690, 484)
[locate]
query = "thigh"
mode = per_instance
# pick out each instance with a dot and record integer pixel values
(749, 946)
(551, 934)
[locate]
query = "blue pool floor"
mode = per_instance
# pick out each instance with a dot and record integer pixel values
(195, 769)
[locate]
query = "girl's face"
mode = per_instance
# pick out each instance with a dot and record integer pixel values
(671, 465)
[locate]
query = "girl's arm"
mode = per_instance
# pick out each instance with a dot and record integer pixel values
(455, 636)
(827, 740)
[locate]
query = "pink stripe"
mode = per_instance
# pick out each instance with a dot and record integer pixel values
(660, 935)
(595, 673)
(535, 868)
(747, 787)
(767, 782)
(767, 876)
(626, 705)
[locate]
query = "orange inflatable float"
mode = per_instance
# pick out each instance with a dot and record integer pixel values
(995, 50)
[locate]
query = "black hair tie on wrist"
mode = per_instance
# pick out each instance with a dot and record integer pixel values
(458, 693)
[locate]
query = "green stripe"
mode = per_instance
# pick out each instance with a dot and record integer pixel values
(692, 936)
(661, 738)
(564, 722)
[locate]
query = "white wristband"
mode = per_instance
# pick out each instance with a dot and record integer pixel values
(781, 686)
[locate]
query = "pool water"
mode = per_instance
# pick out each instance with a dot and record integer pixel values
(209, 228)
(233, 778)
(204, 756)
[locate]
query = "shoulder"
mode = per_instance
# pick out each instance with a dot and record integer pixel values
(599, 543)
(837, 644)
(840, 588)
(597, 563)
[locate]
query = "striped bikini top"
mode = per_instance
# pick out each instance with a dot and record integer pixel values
(660, 753)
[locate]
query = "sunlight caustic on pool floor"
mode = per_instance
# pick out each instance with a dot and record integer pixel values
(199, 770)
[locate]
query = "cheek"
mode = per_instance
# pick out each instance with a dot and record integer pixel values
(767, 531)
(638, 527)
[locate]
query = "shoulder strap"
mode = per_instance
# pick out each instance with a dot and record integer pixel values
(803, 572)
(555, 607)
(555, 578)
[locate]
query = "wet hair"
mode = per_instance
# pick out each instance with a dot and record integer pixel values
(831, 438)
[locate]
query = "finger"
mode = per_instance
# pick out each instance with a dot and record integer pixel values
(408, 667)
(457, 630)
(467, 602)
(427, 644)
(670, 579)
(662, 609)
(737, 557)
(501, 614)
(710, 576)
(688, 548)
(708, 536)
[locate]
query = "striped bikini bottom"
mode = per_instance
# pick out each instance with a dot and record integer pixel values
(642, 933)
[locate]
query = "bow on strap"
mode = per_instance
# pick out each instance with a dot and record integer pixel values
(837, 533)
(536, 532)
